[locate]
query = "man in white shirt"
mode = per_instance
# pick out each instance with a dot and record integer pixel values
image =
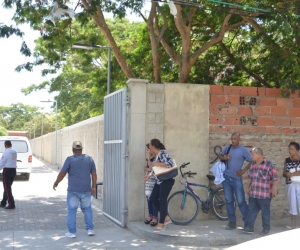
(8, 162)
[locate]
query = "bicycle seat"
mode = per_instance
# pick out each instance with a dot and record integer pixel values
(210, 177)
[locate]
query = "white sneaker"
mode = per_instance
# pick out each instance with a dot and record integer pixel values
(90, 232)
(70, 235)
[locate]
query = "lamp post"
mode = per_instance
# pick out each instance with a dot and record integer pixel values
(55, 151)
(91, 47)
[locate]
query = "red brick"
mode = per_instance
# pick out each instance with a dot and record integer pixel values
(273, 130)
(295, 122)
(224, 129)
(213, 109)
(294, 112)
(282, 121)
(244, 111)
(232, 120)
(249, 91)
(262, 92)
(294, 95)
(278, 111)
(240, 128)
(262, 110)
(268, 102)
(234, 99)
(284, 102)
(211, 128)
(273, 92)
(215, 119)
(231, 110)
(265, 121)
(215, 90)
(296, 102)
(289, 130)
(257, 129)
(218, 99)
(229, 90)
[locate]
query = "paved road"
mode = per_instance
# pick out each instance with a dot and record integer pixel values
(38, 222)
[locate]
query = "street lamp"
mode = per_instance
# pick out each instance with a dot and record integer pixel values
(55, 151)
(91, 47)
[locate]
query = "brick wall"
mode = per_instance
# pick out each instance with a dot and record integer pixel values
(263, 118)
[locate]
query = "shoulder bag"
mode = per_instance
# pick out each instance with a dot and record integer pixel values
(163, 173)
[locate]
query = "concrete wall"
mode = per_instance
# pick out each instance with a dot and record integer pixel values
(89, 132)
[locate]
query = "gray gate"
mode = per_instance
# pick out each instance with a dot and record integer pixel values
(114, 190)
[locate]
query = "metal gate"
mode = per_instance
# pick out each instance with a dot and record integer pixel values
(114, 190)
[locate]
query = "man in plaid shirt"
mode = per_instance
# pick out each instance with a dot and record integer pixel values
(261, 187)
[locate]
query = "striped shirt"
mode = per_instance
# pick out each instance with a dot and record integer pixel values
(291, 166)
(164, 157)
(262, 177)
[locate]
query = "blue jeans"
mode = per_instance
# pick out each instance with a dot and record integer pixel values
(73, 201)
(152, 209)
(234, 186)
(255, 205)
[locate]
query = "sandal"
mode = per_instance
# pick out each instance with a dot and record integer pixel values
(147, 221)
(159, 229)
(168, 222)
(154, 223)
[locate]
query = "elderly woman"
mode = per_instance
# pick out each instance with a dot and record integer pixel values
(161, 189)
(291, 168)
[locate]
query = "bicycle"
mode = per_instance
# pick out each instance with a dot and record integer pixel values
(183, 206)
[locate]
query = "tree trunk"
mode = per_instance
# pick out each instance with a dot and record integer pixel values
(154, 43)
(100, 22)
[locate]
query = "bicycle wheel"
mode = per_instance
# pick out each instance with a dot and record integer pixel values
(218, 203)
(180, 212)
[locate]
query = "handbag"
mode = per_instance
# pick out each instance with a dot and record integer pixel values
(164, 174)
(149, 184)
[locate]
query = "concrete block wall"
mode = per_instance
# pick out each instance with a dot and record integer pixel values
(155, 112)
(89, 132)
(264, 119)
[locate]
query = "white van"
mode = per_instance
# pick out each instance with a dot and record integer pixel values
(24, 153)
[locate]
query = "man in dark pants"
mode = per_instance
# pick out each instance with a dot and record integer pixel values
(8, 162)
(261, 187)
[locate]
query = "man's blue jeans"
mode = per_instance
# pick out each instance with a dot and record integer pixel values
(255, 205)
(234, 186)
(73, 201)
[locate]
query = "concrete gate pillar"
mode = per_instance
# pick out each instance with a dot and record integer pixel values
(136, 122)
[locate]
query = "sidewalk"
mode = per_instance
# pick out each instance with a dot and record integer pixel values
(204, 235)
(207, 233)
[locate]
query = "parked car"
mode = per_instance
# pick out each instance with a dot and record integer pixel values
(24, 153)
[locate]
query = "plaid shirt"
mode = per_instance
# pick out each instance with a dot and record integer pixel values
(262, 177)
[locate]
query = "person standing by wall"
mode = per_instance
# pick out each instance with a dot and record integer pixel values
(8, 162)
(152, 210)
(261, 187)
(161, 189)
(291, 168)
(233, 183)
(80, 168)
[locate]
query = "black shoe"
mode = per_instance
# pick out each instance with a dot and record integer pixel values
(264, 232)
(8, 207)
(2, 205)
(247, 230)
(231, 225)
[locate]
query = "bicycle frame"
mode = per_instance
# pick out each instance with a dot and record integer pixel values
(203, 202)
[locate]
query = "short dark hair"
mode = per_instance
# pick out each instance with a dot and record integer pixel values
(7, 144)
(156, 143)
(295, 144)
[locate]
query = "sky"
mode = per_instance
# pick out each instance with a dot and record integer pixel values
(12, 82)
